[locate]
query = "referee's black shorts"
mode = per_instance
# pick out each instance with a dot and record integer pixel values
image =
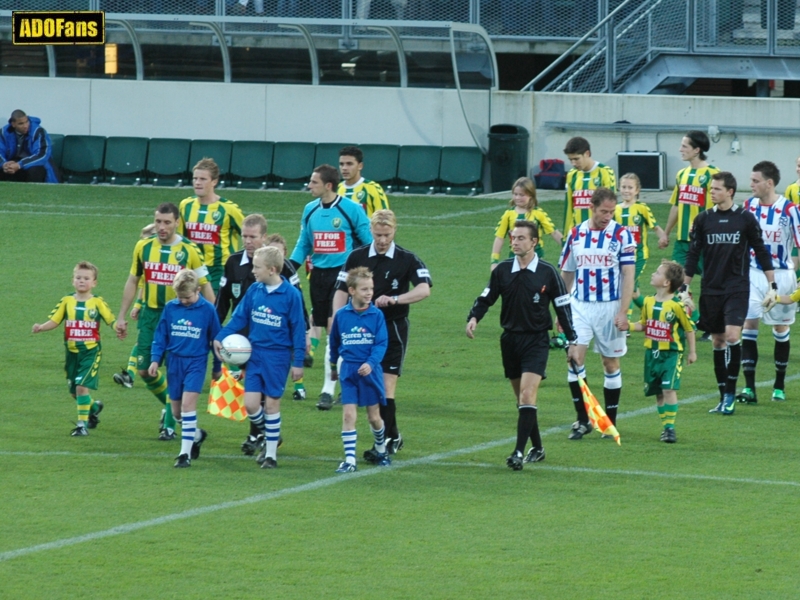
(322, 289)
(392, 363)
(720, 310)
(524, 353)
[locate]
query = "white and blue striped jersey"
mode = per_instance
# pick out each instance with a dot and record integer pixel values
(597, 257)
(780, 230)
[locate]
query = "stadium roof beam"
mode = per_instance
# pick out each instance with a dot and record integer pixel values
(223, 47)
(137, 46)
(312, 49)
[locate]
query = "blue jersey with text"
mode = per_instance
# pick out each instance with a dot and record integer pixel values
(186, 331)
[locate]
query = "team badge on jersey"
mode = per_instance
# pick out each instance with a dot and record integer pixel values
(336, 222)
(93, 313)
(596, 181)
(703, 179)
(613, 246)
(236, 289)
(216, 215)
(637, 220)
(669, 317)
(362, 195)
(180, 255)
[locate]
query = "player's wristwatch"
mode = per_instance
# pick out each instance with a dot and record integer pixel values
(395, 300)
(774, 286)
(683, 288)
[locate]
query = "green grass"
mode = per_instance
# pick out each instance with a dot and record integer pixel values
(710, 517)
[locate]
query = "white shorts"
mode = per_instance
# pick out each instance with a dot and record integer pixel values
(595, 320)
(781, 314)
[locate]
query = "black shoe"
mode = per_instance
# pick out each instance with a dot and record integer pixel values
(579, 430)
(79, 431)
(166, 435)
(671, 438)
(534, 455)
(308, 361)
(124, 379)
(515, 461)
(299, 395)
(325, 401)
(261, 442)
(706, 337)
(394, 446)
(664, 435)
(371, 456)
(250, 445)
(183, 461)
(93, 418)
(747, 396)
(196, 445)
(269, 463)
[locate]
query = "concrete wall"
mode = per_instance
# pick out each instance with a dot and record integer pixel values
(399, 116)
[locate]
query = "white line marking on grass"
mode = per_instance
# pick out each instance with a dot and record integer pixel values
(463, 213)
(328, 481)
(101, 214)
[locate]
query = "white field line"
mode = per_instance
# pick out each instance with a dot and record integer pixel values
(328, 481)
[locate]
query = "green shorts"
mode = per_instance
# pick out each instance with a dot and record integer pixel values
(148, 321)
(679, 252)
(662, 371)
(215, 274)
(641, 263)
(82, 368)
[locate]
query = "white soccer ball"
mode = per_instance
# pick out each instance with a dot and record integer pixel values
(235, 349)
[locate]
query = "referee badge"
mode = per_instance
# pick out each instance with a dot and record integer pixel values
(536, 298)
(336, 222)
(236, 289)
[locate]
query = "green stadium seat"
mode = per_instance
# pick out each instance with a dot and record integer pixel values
(82, 158)
(418, 169)
(168, 161)
(292, 164)
(461, 170)
(57, 149)
(380, 164)
(126, 158)
(251, 164)
(219, 150)
(328, 154)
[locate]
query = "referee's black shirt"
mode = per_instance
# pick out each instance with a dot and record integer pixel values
(527, 295)
(724, 238)
(392, 274)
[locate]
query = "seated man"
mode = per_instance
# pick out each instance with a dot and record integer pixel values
(25, 151)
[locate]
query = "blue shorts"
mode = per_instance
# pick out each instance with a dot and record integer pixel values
(363, 391)
(185, 374)
(267, 371)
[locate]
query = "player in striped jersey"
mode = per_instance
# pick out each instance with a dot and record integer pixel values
(779, 219)
(664, 322)
(598, 267)
(211, 222)
(369, 194)
(691, 195)
(158, 259)
(637, 218)
(524, 206)
(81, 313)
(585, 176)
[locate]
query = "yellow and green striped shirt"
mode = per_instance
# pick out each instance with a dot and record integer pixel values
(159, 264)
(663, 322)
(692, 195)
(369, 194)
(216, 228)
(793, 192)
(82, 321)
(580, 187)
(537, 215)
(638, 219)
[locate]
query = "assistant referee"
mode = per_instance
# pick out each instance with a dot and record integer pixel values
(527, 285)
(395, 270)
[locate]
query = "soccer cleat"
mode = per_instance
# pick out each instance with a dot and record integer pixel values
(325, 401)
(250, 445)
(183, 461)
(308, 361)
(384, 460)
(93, 418)
(670, 438)
(718, 408)
(299, 394)
(515, 461)
(196, 445)
(269, 463)
(346, 467)
(664, 435)
(124, 379)
(79, 431)
(534, 455)
(371, 455)
(747, 396)
(579, 430)
(728, 404)
(394, 446)
(777, 396)
(166, 435)
(706, 337)
(262, 446)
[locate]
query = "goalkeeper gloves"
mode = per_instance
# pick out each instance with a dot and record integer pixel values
(771, 298)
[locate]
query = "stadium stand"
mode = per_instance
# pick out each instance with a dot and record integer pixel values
(82, 160)
(125, 160)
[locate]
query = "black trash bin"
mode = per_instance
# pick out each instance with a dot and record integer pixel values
(508, 155)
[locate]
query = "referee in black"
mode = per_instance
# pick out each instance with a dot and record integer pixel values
(238, 276)
(395, 270)
(527, 285)
(724, 236)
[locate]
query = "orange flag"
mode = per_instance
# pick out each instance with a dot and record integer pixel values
(226, 398)
(597, 415)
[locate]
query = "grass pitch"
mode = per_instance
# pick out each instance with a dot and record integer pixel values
(107, 516)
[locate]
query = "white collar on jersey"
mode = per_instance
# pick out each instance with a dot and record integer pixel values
(373, 252)
(356, 184)
(245, 259)
(531, 265)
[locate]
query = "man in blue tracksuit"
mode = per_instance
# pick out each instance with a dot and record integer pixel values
(25, 151)
(330, 228)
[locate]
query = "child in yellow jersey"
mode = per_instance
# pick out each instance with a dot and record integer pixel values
(793, 193)
(664, 320)
(637, 218)
(524, 207)
(585, 176)
(81, 313)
